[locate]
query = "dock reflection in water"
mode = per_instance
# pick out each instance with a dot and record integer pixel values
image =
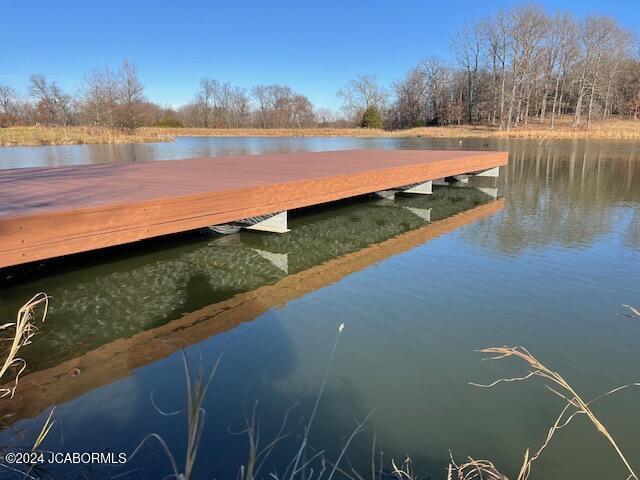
(105, 322)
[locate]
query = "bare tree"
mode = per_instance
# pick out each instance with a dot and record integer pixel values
(239, 104)
(438, 79)
(8, 106)
(302, 114)
(496, 30)
(594, 34)
(409, 108)
(326, 117)
(619, 52)
(427, 96)
(467, 45)
(528, 26)
(262, 95)
(564, 30)
(280, 107)
(206, 101)
(39, 90)
(551, 55)
(130, 93)
(361, 93)
(628, 88)
(99, 93)
(52, 104)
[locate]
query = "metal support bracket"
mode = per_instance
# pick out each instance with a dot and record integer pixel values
(387, 194)
(465, 177)
(424, 188)
(274, 223)
(461, 178)
(492, 172)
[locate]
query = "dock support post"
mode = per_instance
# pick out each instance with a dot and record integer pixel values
(274, 223)
(465, 177)
(387, 194)
(424, 188)
(486, 181)
(492, 172)
(461, 178)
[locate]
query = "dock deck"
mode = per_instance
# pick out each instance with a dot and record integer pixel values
(53, 211)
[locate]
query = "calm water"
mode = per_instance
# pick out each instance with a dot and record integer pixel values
(421, 283)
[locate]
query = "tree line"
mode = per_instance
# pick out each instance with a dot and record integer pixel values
(522, 65)
(513, 67)
(115, 98)
(105, 97)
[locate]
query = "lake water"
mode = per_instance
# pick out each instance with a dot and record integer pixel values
(421, 283)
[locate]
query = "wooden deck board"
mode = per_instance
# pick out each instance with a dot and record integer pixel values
(48, 212)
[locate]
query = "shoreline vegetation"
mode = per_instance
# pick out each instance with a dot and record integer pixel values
(616, 129)
(610, 129)
(76, 135)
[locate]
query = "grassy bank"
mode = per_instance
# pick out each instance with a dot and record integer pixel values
(609, 129)
(75, 135)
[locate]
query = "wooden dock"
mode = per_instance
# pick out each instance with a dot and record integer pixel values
(53, 211)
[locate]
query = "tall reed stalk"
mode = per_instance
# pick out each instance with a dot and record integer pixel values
(196, 392)
(574, 405)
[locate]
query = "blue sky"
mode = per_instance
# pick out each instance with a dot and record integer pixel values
(315, 47)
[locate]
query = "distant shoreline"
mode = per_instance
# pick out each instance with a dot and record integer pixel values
(606, 130)
(613, 129)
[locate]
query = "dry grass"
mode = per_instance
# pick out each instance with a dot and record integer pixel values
(22, 331)
(609, 129)
(196, 392)
(40, 135)
(44, 431)
(574, 405)
(298, 467)
(615, 129)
